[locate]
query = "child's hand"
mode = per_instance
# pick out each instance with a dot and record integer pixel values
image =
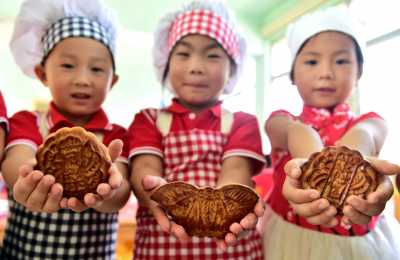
(240, 229)
(307, 203)
(150, 183)
(360, 211)
(36, 191)
(104, 191)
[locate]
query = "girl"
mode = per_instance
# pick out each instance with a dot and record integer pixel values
(327, 63)
(198, 55)
(69, 46)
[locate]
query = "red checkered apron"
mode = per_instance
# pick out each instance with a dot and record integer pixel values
(193, 156)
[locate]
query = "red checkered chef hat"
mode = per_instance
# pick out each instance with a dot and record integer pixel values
(206, 17)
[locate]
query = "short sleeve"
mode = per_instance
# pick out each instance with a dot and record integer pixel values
(245, 139)
(143, 135)
(24, 130)
(366, 116)
(3, 113)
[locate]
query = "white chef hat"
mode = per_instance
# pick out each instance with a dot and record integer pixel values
(206, 17)
(41, 24)
(336, 18)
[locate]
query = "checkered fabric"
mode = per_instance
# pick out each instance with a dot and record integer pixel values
(193, 156)
(76, 27)
(207, 23)
(61, 235)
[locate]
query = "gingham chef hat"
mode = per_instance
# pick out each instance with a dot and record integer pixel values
(41, 24)
(330, 19)
(206, 17)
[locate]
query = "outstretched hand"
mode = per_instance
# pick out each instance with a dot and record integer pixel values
(359, 210)
(307, 202)
(104, 191)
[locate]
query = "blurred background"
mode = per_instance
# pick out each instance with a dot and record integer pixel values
(265, 85)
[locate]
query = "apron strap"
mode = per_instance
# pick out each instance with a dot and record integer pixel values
(44, 126)
(164, 121)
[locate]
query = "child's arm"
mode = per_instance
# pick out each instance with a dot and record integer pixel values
(303, 140)
(37, 192)
(368, 137)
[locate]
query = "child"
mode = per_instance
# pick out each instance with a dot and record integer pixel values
(326, 66)
(3, 125)
(69, 46)
(198, 55)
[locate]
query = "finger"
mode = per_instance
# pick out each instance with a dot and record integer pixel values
(311, 209)
(221, 244)
(259, 208)
(297, 195)
(355, 216)
(150, 182)
(25, 185)
(116, 178)
(92, 200)
(160, 217)
(115, 149)
(76, 205)
(292, 168)
(383, 192)
(236, 228)
(365, 207)
(105, 191)
(25, 169)
(38, 197)
(52, 203)
(326, 218)
(179, 232)
(383, 166)
(64, 203)
(249, 221)
(230, 239)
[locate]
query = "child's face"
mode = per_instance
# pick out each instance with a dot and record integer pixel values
(326, 70)
(199, 69)
(79, 74)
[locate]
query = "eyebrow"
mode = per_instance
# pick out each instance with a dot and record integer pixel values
(71, 56)
(212, 45)
(314, 53)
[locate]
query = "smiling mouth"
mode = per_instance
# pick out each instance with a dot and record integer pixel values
(80, 96)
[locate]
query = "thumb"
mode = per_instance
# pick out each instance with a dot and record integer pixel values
(115, 149)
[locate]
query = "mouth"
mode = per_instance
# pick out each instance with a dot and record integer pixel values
(196, 85)
(326, 90)
(80, 96)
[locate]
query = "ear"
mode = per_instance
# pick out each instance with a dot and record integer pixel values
(41, 74)
(114, 80)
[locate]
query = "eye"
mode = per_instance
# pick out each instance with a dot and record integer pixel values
(182, 54)
(97, 69)
(311, 62)
(214, 56)
(342, 61)
(67, 65)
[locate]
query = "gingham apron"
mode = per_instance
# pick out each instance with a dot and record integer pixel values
(61, 235)
(193, 156)
(331, 126)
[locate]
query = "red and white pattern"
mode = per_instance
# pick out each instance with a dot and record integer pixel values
(331, 127)
(194, 155)
(204, 22)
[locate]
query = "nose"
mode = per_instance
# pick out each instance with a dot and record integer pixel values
(326, 70)
(196, 66)
(82, 77)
